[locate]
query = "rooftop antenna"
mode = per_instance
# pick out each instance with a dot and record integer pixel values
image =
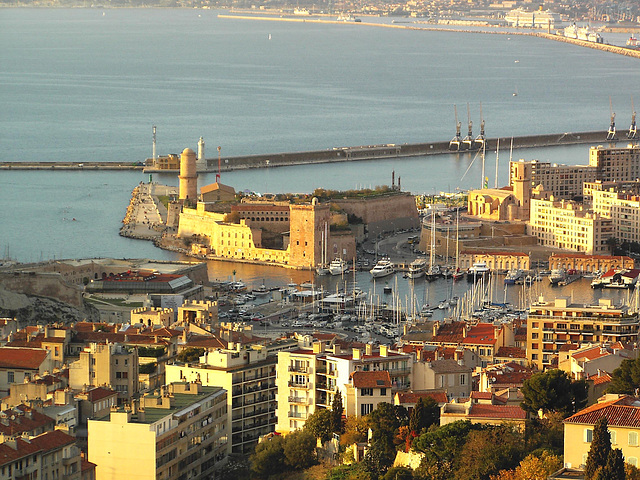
(480, 139)
(218, 174)
(454, 144)
(633, 131)
(511, 151)
(468, 140)
(611, 134)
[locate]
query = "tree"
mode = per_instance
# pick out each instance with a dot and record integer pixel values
(614, 468)
(625, 378)
(299, 449)
(398, 473)
(599, 450)
(380, 456)
(425, 413)
(336, 413)
(488, 451)
(553, 391)
(268, 457)
(384, 421)
(319, 424)
(532, 468)
(355, 430)
(190, 354)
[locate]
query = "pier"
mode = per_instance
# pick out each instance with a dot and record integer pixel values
(330, 155)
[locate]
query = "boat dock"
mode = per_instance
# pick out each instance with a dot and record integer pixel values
(570, 279)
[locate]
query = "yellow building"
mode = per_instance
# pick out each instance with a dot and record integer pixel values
(589, 263)
(179, 432)
(568, 225)
(551, 324)
(151, 316)
(496, 261)
(623, 418)
(616, 163)
(365, 391)
(112, 365)
(203, 313)
(561, 181)
(249, 377)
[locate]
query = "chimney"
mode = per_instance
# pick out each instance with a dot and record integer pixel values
(384, 350)
(419, 354)
(318, 347)
(336, 349)
(436, 327)
(368, 349)
(357, 354)
(464, 331)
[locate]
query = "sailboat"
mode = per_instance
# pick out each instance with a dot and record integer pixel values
(434, 270)
(515, 93)
(323, 268)
(457, 274)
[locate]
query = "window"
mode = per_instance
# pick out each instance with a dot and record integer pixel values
(366, 392)
(632, 461)
(633, 439)
(613, 435)
(463, 379)
(383, 392)
(10, 377)
(366, 408)
(588, 435)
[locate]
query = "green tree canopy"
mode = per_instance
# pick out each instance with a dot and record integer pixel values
(625, 378)
(319, 424)
(299, 449)
(614, 468)
(384, 421)
(190, 354)
(336, 413)
(268, 457)
(553, 391)
(425, 413)
(599, 450)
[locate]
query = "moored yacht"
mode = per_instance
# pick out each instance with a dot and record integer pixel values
(417, 267)
(383, 268)
(477, 270)
(557, 275)
(338, 266)
(513, 276)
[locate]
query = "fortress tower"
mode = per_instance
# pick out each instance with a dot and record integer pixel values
(521, 182)
(188, 176)
(306, 224)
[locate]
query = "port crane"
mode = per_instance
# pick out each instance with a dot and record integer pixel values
(468, 140)
(480, 139)
(454, 144)
(611, 134)
(633, 131)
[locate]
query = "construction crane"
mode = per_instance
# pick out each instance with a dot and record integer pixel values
(633, 131)
(611, 134)
(454, 144)
(480, 139)
(468, 140)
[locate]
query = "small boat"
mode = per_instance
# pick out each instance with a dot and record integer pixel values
(338, 266)
(633, 42)
(322, 269)
(513, 276)
(387, 289)
(443, 305)
(557, 275)
(261, 290)
(383, 268)
(433, 272)
(238, 286)
(417, 267)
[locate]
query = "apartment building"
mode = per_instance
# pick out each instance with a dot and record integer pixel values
(248, 374)
(365, 391)
(552, 324)
(568, 225)
(309, 378)
(112, 365)
(177, 433)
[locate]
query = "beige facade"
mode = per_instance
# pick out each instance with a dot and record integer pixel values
(449, 376)
(568, 225)
(152, 316)
(366, 391)
(249, 377)
(616, 163)
(203, 313)
(188, 178)
(496, 261)
(589, 263)
(177, 433)
(111, 365)
(561, 181)
(306, 227)
(551, 324)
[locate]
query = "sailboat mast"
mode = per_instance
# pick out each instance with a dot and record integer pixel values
(497, 155)
(457, 236)
(482, 184)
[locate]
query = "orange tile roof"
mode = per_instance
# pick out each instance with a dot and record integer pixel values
(52, 440)
(511, 352)
(619, 412)
(503, 412)
(379, 379)
(591, 353)
(412, 397)
(600, 378)
(481, 334)
(9, 454)
(23, 419)
(22, 358)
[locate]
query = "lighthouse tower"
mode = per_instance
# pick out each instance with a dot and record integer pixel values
(188, 176)
(201, 151)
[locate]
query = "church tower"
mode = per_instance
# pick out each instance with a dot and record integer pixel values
(188, 176)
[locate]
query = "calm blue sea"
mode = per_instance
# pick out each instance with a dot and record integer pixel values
(88, 84)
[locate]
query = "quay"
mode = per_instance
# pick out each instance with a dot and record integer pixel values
(331, 155)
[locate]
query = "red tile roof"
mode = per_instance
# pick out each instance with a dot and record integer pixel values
(22, 358)
(504, 412)
(380, 379)
(52, 440)
(481, 334)
(9, 454)
(591, 353)
(99, 393)
(600, 378)
(23, 419)
(619, 412)
(511, 352)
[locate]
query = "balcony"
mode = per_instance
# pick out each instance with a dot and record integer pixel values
(299, 369)
(297, 415)
(299, 400)
(294, 384)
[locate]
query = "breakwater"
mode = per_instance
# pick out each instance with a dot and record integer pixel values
(332, 155)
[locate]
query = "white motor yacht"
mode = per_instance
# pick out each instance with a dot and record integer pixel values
(383, 268)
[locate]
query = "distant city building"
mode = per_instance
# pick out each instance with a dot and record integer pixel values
(589, 263)
(532, 19)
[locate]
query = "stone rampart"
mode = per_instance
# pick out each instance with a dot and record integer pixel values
(50, 285)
